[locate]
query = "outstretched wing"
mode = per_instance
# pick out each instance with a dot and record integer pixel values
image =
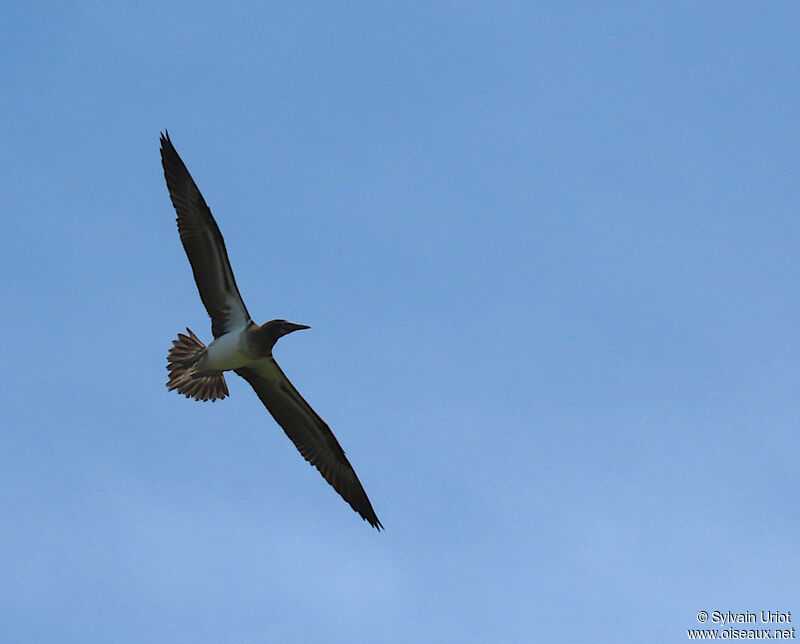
(310, 434)
(204, 246)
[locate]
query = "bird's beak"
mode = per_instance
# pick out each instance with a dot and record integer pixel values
(291, 326)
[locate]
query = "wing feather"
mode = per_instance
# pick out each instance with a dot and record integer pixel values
(204, 246)
(310, 434)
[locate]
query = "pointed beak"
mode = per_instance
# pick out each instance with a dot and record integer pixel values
(291, 326)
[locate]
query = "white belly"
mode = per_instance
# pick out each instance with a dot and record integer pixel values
(226, 352)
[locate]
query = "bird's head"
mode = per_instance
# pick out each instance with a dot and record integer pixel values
(274, 329)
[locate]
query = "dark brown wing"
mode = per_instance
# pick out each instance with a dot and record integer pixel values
(204, 246)
(310, 434)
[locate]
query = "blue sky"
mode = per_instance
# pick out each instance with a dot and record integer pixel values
(549, 255)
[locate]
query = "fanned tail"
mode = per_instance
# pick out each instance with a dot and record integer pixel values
(182, 362)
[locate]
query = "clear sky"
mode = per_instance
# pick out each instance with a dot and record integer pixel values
(549, 256)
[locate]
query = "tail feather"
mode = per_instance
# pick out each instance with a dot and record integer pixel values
(182, 362)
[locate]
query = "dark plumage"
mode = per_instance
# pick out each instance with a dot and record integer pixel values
(241, 345)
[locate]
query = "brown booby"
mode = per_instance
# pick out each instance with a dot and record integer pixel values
(241, 345)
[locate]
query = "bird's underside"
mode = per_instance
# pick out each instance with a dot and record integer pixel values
(234, 331)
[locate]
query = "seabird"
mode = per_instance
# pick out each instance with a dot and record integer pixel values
(241, 345)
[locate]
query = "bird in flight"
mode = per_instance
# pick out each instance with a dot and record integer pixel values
(241, 345)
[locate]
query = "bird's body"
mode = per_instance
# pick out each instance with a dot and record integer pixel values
(241, 345)
(230, 351)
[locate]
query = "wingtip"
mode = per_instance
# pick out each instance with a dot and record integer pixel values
(372, 519)
(165, 141)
